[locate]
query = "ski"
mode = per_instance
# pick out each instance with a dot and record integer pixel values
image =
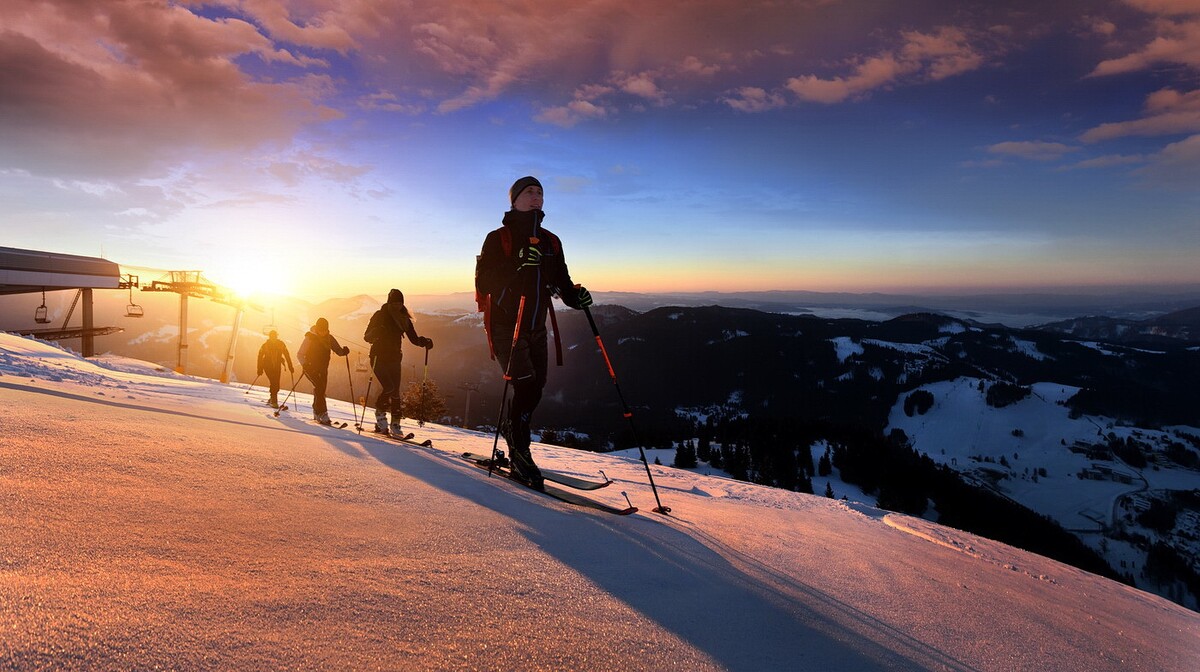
(562, 495)
(331, 425)
(407, 438)
(548, 474)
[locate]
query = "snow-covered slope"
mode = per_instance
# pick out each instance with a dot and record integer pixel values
(1036, 452)
(151, 520)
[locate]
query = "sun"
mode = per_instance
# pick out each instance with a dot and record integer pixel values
(251, 276)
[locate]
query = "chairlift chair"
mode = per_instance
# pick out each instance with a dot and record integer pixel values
(270, 327)
(42, 314)
(363, 364)
(133, 309)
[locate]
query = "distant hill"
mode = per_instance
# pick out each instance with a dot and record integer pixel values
(1178, 326)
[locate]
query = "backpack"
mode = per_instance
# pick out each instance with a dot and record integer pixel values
(302, 353)
(378, 328)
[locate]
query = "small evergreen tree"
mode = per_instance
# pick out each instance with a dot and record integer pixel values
(716, 458)
(685, 456)
(824, 465)
(423, 402)
(828, 490)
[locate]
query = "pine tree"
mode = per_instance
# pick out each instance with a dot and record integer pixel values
(828, 490)
(824, 465)
(685, 456)
(423, 402)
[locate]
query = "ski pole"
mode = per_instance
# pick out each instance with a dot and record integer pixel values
(295, 382)
(252, 383)
(507, 380)
(350, 377)
(366, 398)
(625, 407)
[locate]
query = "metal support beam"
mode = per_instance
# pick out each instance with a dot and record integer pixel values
(183, 344)
(88, 340)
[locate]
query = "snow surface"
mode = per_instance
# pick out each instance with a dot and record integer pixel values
(1035, 436)
(152, 520)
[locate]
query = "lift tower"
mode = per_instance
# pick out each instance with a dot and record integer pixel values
(193, 283)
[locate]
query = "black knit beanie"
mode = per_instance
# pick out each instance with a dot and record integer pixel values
(395, 296)
(519, 186)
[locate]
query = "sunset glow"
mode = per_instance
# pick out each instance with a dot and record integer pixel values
(325, 148)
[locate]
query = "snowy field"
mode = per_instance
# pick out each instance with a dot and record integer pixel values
(1023, 451)
(150, 520)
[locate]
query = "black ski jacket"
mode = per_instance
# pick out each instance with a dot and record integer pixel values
(498, 273)
(401, 325)
(316, 350)
(272, 355)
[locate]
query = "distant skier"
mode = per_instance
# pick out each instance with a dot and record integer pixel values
(271, 358)
(314, 358)
(522, 260)
(386, 332)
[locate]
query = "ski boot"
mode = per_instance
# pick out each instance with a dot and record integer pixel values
(522, 469)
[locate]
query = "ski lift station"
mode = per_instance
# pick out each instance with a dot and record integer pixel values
(34, 272)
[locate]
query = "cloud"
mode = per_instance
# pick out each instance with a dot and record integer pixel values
(319, 28)
(1109, 161)
(114, 87)
(1165, 112)
(295, 168)
(870, 74)
(923, 57)
(385, 101)
(694, 66)
(1167, 7)
(1176, 166)
(642, 85)
(1176, 27)
(570, 114)
(754, 99)
(1032, 150)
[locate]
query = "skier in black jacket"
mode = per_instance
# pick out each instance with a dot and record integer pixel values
(314, 357)
(271, 357)
(387, 358)
(519, 269)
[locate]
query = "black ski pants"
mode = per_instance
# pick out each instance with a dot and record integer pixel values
(319, 379)
(273, 375)
(526, 366)
(387, 364)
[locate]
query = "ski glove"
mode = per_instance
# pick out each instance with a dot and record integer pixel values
(427, 343)
(529, 256)
(345, 351)
(583, 297)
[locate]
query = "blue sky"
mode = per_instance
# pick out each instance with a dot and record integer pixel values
(333, 148)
